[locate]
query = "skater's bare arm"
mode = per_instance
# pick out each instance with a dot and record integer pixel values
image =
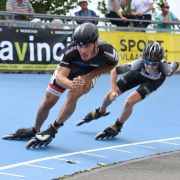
(61, 78)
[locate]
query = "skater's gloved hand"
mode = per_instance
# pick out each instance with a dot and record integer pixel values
(110, 132)
(21, 134)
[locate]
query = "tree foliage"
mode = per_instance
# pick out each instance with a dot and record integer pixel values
(2, 5)
(102, 7)
(58, 7)
(159, 2)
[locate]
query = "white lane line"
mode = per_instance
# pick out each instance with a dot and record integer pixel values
(121, 150)
(42, 167)
(171, 143)
(148, 147)
(85, 151)
(90, 154)
(67, 160)
(14, 175)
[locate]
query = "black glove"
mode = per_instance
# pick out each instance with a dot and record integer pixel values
(92, 116)
(43, 138)
(21, 134)
(110, 132)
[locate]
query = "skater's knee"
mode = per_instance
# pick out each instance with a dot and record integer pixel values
(129, 103)
(47, 105)
(74, 95)
(132, 99)
(48, 102)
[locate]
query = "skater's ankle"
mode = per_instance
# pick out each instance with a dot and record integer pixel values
(57, 125)
(101, 111)
(35, 130)
(118, 123)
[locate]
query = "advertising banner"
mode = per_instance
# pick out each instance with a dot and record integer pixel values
(24, 49)
(130, 44)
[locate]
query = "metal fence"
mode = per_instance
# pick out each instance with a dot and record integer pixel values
(69, 22)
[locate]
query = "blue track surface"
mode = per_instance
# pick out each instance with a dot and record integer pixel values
(154, 127)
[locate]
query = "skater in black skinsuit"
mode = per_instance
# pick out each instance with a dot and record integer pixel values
(149, 72)
(84, 60)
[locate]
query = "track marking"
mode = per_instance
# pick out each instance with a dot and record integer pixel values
(42, 167)
(14, 175)
(85, 151)
(121, 150)
(148, 147)
(90, 154)
(171, 143)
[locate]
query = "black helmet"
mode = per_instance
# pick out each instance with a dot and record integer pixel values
(85, 33)
(153, 52)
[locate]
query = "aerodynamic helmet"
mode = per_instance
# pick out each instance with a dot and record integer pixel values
(153, 52)
(85, 33)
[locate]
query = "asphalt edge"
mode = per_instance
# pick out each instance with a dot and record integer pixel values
(101, 166)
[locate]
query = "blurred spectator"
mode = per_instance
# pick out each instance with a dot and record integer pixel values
(37, 23)
(1, 17)
(165, 16)
(126, 8)
(19, 6)
(56, 24)
(142, 10)
(113, 11)
(85, 12)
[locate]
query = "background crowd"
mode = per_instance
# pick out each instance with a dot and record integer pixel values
(122, 13)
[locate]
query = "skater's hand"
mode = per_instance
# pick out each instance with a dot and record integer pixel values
(88, 83)
(113, 95)
(78, 82)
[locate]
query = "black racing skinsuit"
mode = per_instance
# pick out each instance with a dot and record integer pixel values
(148, 82)
(107, 56)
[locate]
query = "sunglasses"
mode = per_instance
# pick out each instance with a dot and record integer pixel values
(149, 63)
(166, 7)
